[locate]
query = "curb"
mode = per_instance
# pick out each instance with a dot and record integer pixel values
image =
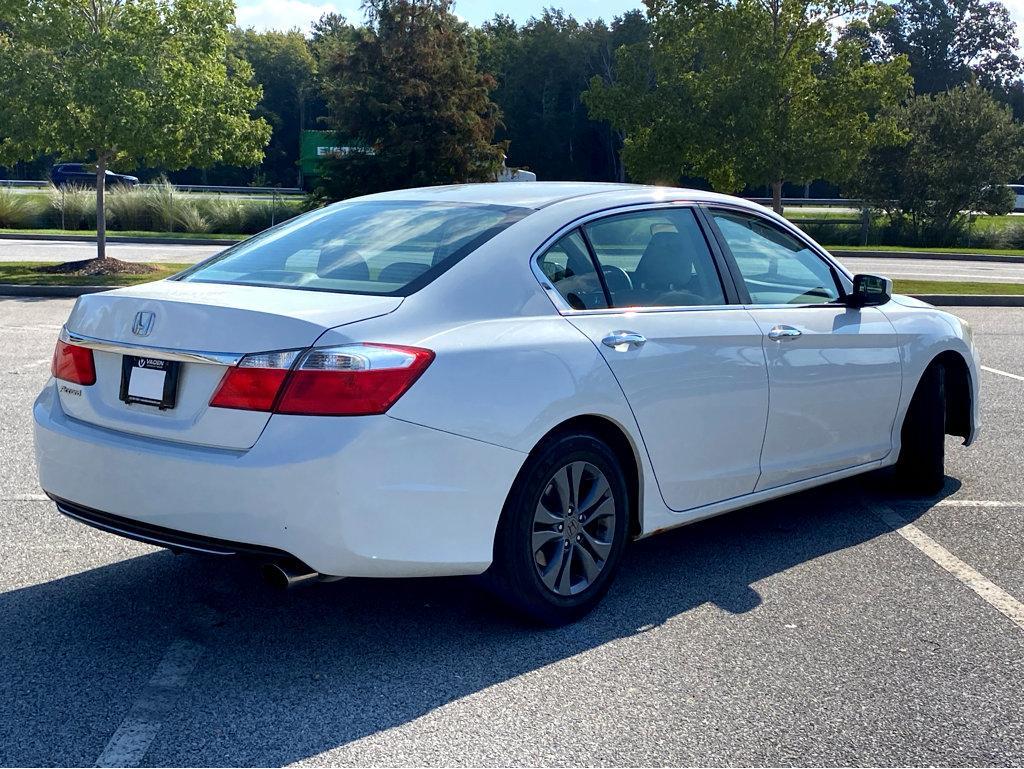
(841, 253)
(16, 289)
(947, 300)
(120, 239)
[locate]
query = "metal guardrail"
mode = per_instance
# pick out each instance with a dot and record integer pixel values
(282, 191)
(813, 202)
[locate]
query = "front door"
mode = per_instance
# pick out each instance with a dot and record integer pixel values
(834, 371)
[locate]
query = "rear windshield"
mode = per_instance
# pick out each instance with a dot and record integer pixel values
(369, 247)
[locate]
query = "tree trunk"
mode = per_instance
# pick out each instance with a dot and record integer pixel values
(101, 211)
(777, 197)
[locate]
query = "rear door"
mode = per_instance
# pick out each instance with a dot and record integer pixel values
(834, 371)
(691, 366)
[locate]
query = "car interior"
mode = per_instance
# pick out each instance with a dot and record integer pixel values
(776, 267)
(650, 259)
(376, 248)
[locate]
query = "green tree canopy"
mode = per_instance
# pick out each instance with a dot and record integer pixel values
(408, 90)
(747, 92)
(953, 154)
(284, 67)
(125, 80)
(952, 42)
(542, 67)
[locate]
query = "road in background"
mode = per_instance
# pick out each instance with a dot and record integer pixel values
(907, 268)
(805, 631)
(896, 267)
(62, 251)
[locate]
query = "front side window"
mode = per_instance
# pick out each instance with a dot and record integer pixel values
(656, 258)
(568, 266)
(776, 267)
(367, 247)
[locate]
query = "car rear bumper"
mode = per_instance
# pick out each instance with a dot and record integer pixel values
(350, 496)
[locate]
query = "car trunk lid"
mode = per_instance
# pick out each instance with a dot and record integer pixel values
(203, 328)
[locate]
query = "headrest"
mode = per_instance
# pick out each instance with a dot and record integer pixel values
(341, 262)
(667, 263)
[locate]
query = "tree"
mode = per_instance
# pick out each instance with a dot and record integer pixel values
(409, 93)
(541, 68)
(283, 66)
(747, 92)
(953, 154)
(125, 80)
(953, 42)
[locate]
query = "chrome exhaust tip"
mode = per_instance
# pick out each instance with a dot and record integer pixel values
(285, 576)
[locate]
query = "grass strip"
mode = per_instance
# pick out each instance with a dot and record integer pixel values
(958, 287)
(28, 274)
(932, 250)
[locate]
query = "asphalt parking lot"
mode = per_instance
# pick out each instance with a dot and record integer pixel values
(811, 631)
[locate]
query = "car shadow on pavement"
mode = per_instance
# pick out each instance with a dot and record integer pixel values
(287, 676)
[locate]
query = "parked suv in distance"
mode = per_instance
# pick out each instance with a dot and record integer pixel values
(1018, 196)
(84, 175)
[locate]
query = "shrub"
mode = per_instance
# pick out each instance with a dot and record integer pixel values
(75, 206)
(128, 208)
(266, 213)
(188, 217)
(224, 213)
(161, 199)
(18, 209)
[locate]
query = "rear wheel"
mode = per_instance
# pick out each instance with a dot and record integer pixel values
(920, 468)
(563, 530)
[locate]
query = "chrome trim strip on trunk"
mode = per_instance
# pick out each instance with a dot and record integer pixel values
(147, 351)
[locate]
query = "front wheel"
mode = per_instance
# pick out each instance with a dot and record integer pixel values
(563, 530)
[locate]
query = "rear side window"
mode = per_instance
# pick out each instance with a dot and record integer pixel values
(568, 266)
(776, 267)
(656, 258)
(368, 247)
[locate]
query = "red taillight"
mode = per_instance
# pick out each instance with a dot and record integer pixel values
(255, 382)
(353, 380)
(73, 363)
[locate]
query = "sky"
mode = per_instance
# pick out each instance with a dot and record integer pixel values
(286, 14)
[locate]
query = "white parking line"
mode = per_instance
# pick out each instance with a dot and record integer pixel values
(990, 592)
(136, 733)
(25, 498)
(976, 503)
(1003, 373)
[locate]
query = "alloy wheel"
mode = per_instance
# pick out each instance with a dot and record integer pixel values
(573, 528)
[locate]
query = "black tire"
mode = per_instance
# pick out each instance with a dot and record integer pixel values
(515, 575)
(920, 468)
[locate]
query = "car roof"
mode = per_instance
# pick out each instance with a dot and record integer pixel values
(542, 194)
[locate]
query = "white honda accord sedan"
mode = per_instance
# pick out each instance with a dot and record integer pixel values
(504, 379)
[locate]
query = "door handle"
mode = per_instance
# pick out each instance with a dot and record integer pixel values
(623, 341)
(778, 333)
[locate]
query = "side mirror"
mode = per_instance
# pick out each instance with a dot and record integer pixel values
(869, 291)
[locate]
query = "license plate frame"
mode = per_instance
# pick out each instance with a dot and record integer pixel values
(171, 369)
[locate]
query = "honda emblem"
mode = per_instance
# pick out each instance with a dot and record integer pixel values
(143, 323)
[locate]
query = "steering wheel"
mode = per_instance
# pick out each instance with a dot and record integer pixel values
(616, 278)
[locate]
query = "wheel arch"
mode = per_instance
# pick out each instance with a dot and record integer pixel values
(959, 391)
(625, 449)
